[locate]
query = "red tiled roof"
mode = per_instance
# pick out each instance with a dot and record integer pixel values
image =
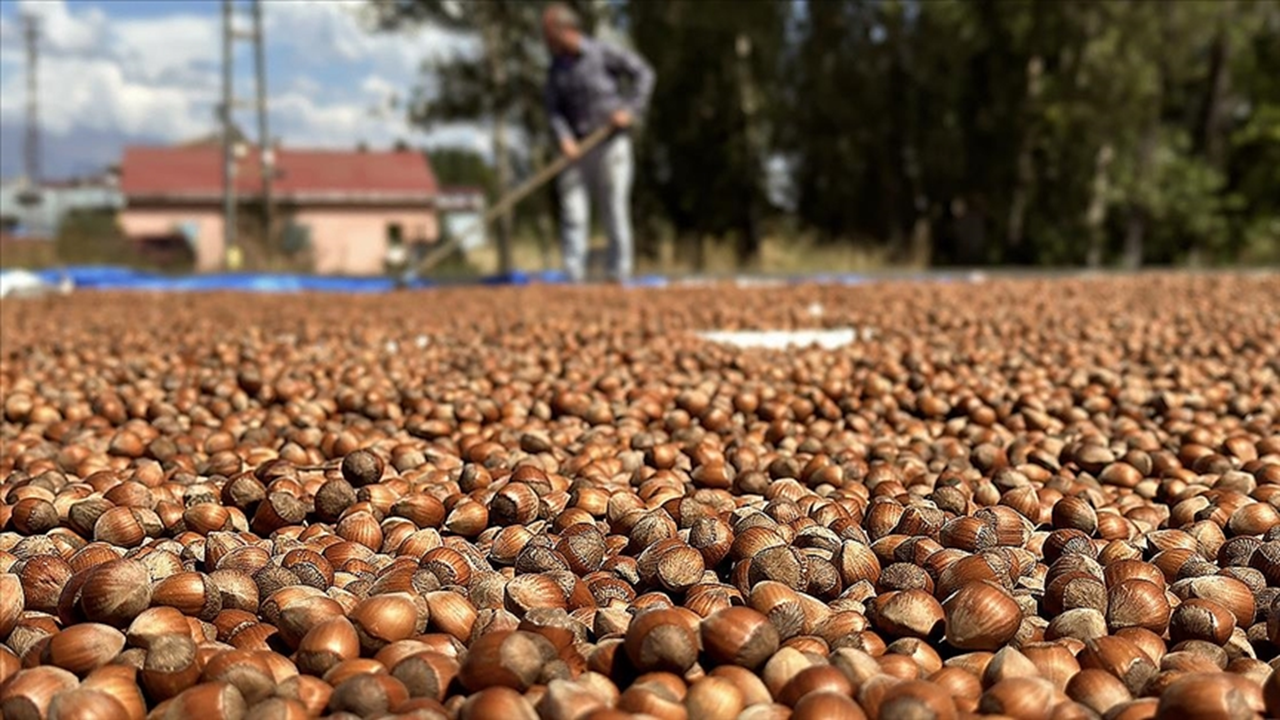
(195, 172)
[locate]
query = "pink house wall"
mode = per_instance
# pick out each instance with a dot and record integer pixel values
(137, 222)
(347, 241)
(354, 241)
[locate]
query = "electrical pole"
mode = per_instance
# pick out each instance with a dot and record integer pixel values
(264, 135)
(229, 140)
(31, 147)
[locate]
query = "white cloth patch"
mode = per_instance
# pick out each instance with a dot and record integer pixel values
(778, 339)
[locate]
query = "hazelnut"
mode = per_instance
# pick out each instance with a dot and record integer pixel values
(661, 639)
(739, 636)
(981, 616)
(714, 698)
(1197, 619)
(28, 694)
(1209, 695)
(1137, 603)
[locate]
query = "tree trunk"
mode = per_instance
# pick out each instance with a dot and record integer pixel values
(501, 153)
(1213, 114)
(1133, 237)
(922, 241)
(1096, 215)
(1213, 120)
(1137, 225)
(1026, 171)
(748, 249)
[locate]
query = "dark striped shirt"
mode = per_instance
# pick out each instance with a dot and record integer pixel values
(584, 90)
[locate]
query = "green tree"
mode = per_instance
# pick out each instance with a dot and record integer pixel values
(460, 167)
(499, 85)
(709, 130)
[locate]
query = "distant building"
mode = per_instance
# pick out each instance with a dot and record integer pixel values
(344, 205)
(36, 213)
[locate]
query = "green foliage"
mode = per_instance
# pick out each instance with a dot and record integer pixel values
(976, 131)
(93, 237)
(458, 167)
(707, 133)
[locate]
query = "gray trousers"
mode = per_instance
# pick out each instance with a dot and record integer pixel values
(603, 176)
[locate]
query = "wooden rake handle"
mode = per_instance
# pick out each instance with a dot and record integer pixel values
(520, 192)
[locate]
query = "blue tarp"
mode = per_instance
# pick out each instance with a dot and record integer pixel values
(99, 277)
(120, 278)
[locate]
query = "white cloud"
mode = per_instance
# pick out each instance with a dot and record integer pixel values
(65, 32)
(337, 26)
(172, 48)
(333, 83)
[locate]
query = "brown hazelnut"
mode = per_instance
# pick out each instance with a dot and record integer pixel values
(981, 616)
(1209, 695)
(1197, 619)
(1099, 690)
(908, 613)
(1137, 603)
(84, 647)
(172, 666)
(739, 636)
(28, 694)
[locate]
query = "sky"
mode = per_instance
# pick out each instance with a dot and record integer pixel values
(118, 72)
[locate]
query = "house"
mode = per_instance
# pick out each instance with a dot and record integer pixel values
(344, 205)
(36, 212)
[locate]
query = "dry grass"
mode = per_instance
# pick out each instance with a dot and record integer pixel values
(28, 254)
(778, 255)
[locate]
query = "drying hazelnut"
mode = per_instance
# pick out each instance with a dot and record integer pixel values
(214, 700)
(739, 636)
(368, 694)
(362, 468)
(172, 666)
(84, 647)
(1208, 695)
(1197, 619)
(714, 698)
(1019, 697)
(661, 640)
(85, 704)
(909, 613)
(1098, 690)
(981, 616)
(1137, 603)
(28, 694)
(505, 658)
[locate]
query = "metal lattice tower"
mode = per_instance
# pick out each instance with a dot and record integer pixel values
(226, 113)
(31, 143)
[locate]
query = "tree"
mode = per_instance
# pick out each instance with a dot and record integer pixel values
(461, 167)
(499, 86)
(948, 131)
(708, 133)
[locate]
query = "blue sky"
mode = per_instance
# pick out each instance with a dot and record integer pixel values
(114, 72)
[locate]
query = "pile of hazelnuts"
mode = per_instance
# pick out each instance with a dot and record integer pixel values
(1040, 499)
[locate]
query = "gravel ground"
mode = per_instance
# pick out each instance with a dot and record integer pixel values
(1029, 497)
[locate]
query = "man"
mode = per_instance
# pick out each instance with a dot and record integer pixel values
(584, 93)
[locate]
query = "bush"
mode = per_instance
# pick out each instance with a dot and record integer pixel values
(94, 237)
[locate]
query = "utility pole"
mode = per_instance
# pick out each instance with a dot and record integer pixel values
(229, 103)
(264, 135)
(228, 142)
(31, 145)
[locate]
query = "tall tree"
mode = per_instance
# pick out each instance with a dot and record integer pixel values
(499, 85)
(708, 136)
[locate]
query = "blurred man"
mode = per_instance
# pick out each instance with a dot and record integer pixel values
(591, 85)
